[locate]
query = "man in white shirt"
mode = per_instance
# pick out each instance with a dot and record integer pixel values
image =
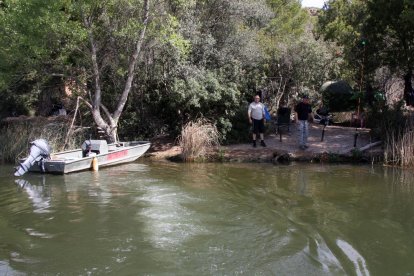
(256, 115)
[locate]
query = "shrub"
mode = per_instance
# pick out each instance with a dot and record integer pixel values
(240, 128)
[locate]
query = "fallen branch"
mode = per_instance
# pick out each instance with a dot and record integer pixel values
(369, 146)
(361, 149)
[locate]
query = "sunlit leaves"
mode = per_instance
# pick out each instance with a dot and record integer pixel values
(36, 30)
(170, 34)
(288, 21)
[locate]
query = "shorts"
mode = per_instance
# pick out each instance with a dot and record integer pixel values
(258, 126)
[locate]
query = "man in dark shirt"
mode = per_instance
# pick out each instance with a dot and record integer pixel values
(303, 110)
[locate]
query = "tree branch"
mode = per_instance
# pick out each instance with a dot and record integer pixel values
(108, 115)
(97, 98)
(70, 131)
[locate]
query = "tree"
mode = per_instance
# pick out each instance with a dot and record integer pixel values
(342, 22)
(60, 35)
(373, 34)
(390, 31)
(95, 12)
(295, 60)
(208, 77)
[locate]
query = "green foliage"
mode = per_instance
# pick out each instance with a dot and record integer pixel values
(343, 22)
(241, 129)
(289, 20)
(198, 93)
(37, 40)
(296, 61)
(373, 34)
(390, 32)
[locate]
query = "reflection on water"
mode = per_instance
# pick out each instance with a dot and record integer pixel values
(203, 219)
(353, 255)
(37, 194)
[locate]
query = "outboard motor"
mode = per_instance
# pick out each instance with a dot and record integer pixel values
(39, 149)
(94, 147)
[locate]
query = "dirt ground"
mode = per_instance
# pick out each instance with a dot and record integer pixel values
(338, 142)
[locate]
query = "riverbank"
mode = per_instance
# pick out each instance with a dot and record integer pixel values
(337, 146)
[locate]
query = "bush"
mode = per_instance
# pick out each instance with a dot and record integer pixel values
(240, 131)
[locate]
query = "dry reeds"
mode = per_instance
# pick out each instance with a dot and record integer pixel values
(197, 138)
(399, 146)
(15, 137)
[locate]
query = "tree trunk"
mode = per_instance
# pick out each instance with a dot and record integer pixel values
(110, 125)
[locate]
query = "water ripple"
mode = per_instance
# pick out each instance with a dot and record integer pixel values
(168, 222)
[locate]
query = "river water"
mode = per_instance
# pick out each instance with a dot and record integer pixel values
(209, 219)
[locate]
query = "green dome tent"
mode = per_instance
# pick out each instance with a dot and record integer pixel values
(338, 96)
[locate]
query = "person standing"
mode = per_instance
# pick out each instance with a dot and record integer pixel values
(303, 111)
(256, 114)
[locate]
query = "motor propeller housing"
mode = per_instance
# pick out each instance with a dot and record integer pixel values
(39, 149)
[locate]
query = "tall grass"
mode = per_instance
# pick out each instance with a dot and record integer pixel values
(394, 125)
(399, 145)
(16, 135)
(197, 138)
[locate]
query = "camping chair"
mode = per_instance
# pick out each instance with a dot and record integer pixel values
(283, 120)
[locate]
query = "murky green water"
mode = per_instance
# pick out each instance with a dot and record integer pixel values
(209, 219)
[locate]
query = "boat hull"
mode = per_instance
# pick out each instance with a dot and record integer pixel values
(72, 161)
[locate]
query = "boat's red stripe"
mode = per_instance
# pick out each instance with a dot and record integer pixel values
(117, 155)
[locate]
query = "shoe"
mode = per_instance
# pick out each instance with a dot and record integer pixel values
(306, 146)
(254, 143)
(302, 147)
(262, 143)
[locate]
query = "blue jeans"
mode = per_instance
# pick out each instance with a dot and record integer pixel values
(303, 131)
